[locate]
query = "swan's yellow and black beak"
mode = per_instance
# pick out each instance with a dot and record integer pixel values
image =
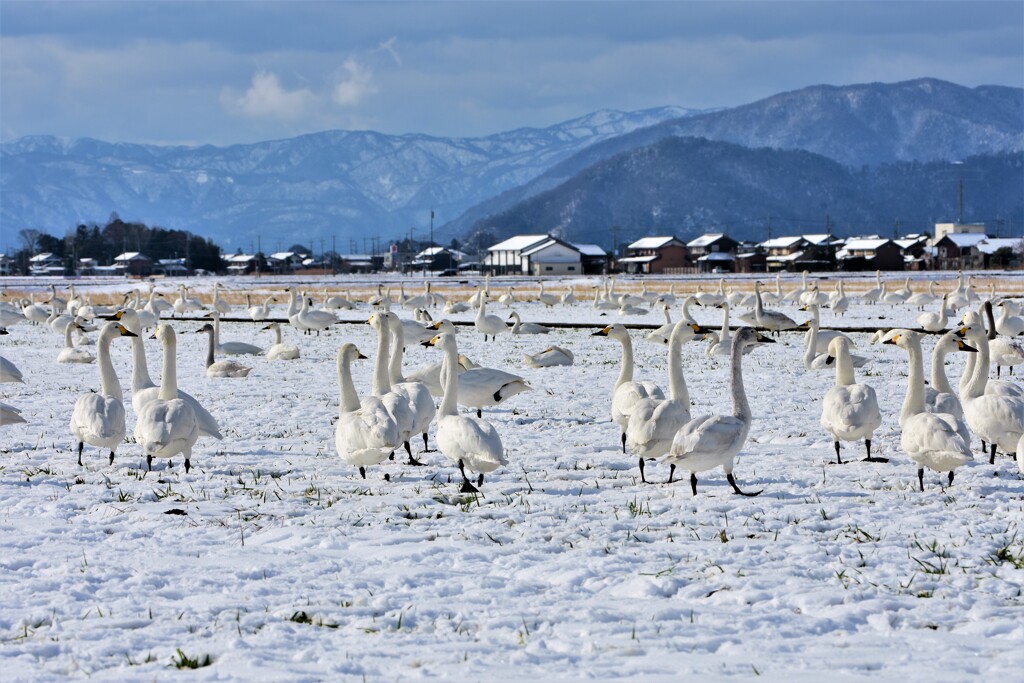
(603, 332)
(432, 341)
(699, 329)
(962, 332)
(113, 316)
(892, 340)
(434, 325)
(960, 345)
(125, 332)
(359, 355)
(763, 339)
(268, 327)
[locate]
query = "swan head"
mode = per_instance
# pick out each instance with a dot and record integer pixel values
(951, 342)
(899, 337)
(164, 333)
(348, 353)
(208, 328)
(748, 336)
(616, 331)
(271, 326)
(116, 330)
(443, 326)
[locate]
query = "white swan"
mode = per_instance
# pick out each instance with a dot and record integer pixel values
(711, 441)
(416, 393)
(660, 335)
(773, 321)
(998, 420)
(933, 440)
(960, 296)
(627, 392)
(260, 311)
(9, 372)
(365, 433)
(311, 319)
(98, 419)
(824, 337)
(430, 375)
(232, 348)
(34, 312)
(185, 304)
(488, 324)
(939, 397)
(145, 390)
(653, 422)
(220, 368)
(823, 361)
(71, 353)
(1007, 324)
(508, 298)
(167, 425)
(849, 411)
(568, 298)
(549, 357)
(935, 322)
(519, 327)
(923, 299)
(1003, 352)
(219, 303)
(397, 404)
(711, 298)
(469, 442)
(548, 300)
(280, 351)
(838, 301)
(871, 296)
(795, 293)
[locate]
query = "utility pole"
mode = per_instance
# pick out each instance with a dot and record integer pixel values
(961, 201)
(615, 241)
(896, 229)
(334, 254)
(431, 246)
(769, 227)
(259, 255)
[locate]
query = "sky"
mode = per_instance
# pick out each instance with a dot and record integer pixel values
(226, 73)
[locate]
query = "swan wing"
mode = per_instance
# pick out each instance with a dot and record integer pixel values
(98, 418)
(706, 441)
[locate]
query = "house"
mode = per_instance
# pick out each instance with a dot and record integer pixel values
(711, 243)
(943, 229)
(360, 263)
(285, 261)
(243, 264)
(45, 263)
(170, 266)
(914, 248)
(1002, 252)
(435, 259)
(6, 264)
(533, 255)
(654, 255)
(133, 263)
(870, 253)
(784, 253)
(594, 259)
(87, 266)
(959, 251)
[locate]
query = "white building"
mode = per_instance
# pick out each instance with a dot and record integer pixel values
(533, 255)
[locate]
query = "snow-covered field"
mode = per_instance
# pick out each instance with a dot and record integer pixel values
(273, 559)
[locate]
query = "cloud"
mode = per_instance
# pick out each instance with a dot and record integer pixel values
(355, 82)
(266, 98)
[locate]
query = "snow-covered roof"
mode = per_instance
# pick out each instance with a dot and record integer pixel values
(864, 245)
(638, 259)
(590, 250)
(131, 256)
(994, 244)
(907, 243)
(965, 239)
(518, 243)
(240, 258)
(819, 239)
(44, 256)
(651, 242)
(781, 242)
(786, 257)
(544, 245)
(716, 256)
(706, 239)
(283, 255)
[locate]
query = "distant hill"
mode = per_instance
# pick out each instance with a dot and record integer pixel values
(344, 183)
(686, 186)
(855, 126)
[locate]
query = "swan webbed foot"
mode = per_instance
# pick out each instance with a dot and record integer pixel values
(81, 445)
(479, 413)
(480, 480)
(392, 456)
(951, 477)
(732, 482)
(414, 462)
(387, 477)
(467, 487)
(870, 459)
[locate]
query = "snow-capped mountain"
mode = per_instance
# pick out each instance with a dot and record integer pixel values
(346, 184)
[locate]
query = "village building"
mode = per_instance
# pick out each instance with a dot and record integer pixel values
(871, 253)
(959, 250)
(651, 255)
(133, 263)
(46, 263)
(533, 255)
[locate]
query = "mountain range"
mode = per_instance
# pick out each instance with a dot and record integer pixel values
(860, 155)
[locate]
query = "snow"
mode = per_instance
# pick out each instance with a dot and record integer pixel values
(287, 566)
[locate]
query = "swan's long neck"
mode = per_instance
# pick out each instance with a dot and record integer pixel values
(109, 386)
(67, 334)
(676, 381)
(668, 316)
(395, 365)
(725, 320)
(210, 357)
(348, 400)
(450, 379)
(844, 368)
(759, 305)
(216, 329)
(740, 407)
(140, 371)
(277, 334)
(812, 343)
(914, 402)
(976, 387)
(687, 302)
(293, 303)
(517, 324)
(169, 380)
(968, 374)
(381, 383)
(626, 371)
(943, 313)
(939, 380)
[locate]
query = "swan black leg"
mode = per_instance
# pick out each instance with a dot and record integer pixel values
(867, 444)
(479, 413)
(362, 472)
(920, 478)
(839, 458)
(671, 472)
(693, 482)
(426, 446)
(992, 454)
(80, 447)
(111, 457)
(412, 460)
(951, 477)
(480, 480)
(623, 442)
(467, 486)
(642, 478)
(732, 482)
(188, 464)
(149, 463)
(984, 447)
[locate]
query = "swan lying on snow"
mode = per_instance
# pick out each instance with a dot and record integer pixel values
(221, 368)
(549, 357)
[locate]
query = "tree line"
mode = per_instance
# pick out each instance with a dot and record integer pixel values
(116, 237)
